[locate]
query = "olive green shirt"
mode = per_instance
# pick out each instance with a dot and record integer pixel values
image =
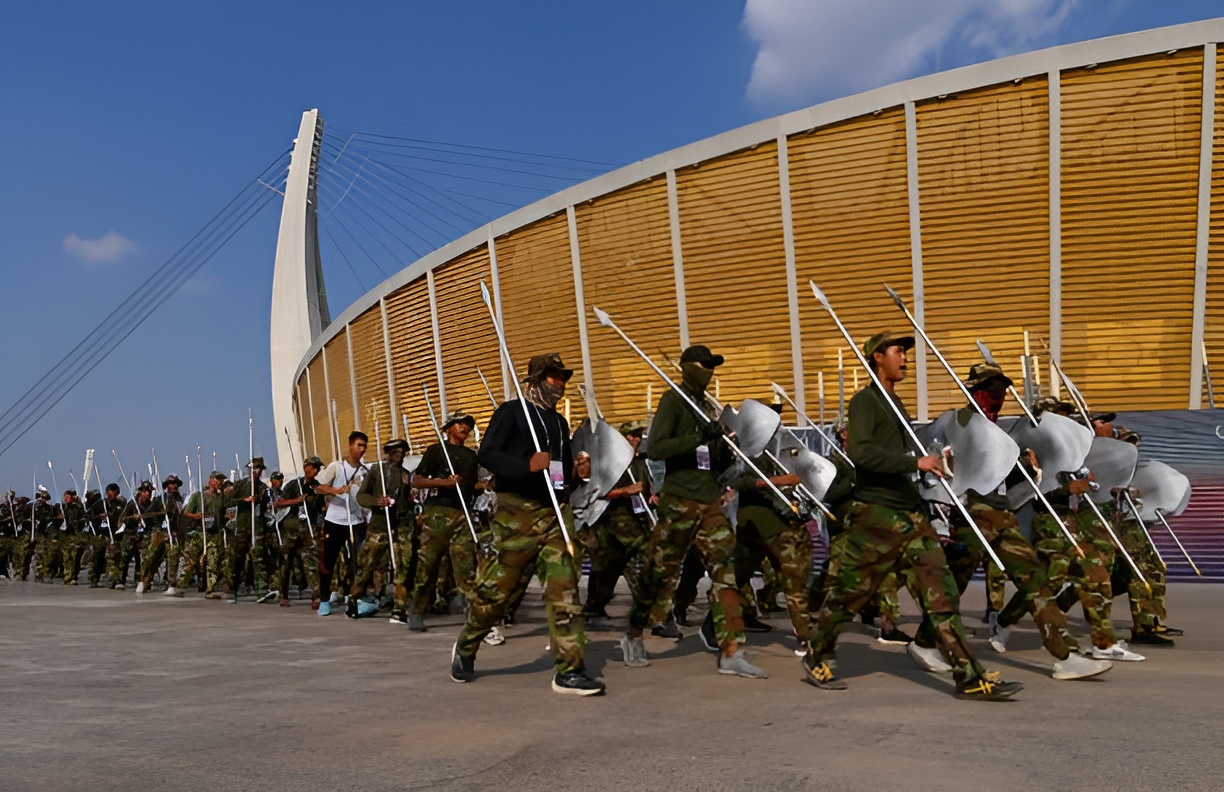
(884, 466)
(675, 435)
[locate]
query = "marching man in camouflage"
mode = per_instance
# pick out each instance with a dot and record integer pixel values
(298, 552)
(444, 527)
(886, 528)
(160, 547)
(384, 492)
(525, 528)
(622, 530)
(197, 559)
(691, 515)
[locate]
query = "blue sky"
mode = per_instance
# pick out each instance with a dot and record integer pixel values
(127, 125)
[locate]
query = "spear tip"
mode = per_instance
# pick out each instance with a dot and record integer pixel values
(602, 316)
(985, 350)
(820, 295)
(895, 297)
(484, 293)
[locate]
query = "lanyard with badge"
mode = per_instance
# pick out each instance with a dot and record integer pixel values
(556, 472)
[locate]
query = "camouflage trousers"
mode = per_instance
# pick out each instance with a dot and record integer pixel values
(406, 560)
(685, 523)
(158, 550)
(191, 563)
(124, 552)
(762, 534)
(996, 588)
(524, 531)
(373, 561)
(93, 557)
(72, 547)
(1147, 607)
(619, 538)
(444, 533)
(6, 555)
(1088, 577)
(298, 558)
(1022, 567)
(878, 540)
(47, 550)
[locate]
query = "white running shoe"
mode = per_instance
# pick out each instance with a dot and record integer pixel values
(173, 592)
(1117, 652)
(927, 659)
(998, 637)
(1076, 667)
(140, 587)
(495, 637)
(334, 599)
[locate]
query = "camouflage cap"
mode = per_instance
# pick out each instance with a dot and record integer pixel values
(539, 365)
(1126, 434)
(632, 427)
(276, 476)
(981, 373)
(145, 487)
(459, 416)
(71, 492)
(699, 353)
(881, 341)
(1105, 417)
(395, 444)
(172, 479)
(313, 461)
(257, 463)
(218, 475)
(1051, 404)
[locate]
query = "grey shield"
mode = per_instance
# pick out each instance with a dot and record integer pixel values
(610, 457)
(1160, 487)
(1061, 446)
(1112, 463)
(753, 423)
(816, 472)
(982, 455)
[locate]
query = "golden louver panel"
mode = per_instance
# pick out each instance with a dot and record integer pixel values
(412, 356)
(369, 361)
(983, 175)
(341, 387)
(735, 268)
(538, 303)
(301, 409)
(1213, 327)
(468, 339)
(627, 270)
(1130, 154)
(850, 206)
(320, 419)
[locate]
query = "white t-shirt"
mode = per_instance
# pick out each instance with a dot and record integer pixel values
(343, 509)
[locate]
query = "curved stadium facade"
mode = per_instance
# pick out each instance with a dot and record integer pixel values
(1075, 192)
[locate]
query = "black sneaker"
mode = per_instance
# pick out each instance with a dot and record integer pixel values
(1167, 631)
(680, 615)
(350, 608)
(987, 689)
(1150, 638)
(894, 636)
(463, 669)
(820, 675)
(576, 683)
(753, 624)
(708, 636)
(398, 617)
(667, 630)
(508, 619)
(595, 615)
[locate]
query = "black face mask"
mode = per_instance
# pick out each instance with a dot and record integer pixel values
(696, 376)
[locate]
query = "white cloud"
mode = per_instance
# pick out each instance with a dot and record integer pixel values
(813, 50)
(110, 247)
